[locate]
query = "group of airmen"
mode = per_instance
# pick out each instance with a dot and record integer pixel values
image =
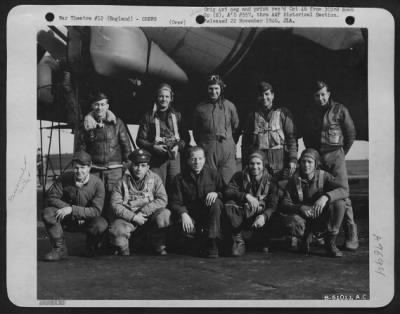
(195, 192)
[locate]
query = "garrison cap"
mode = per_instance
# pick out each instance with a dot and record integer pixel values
(82, 158)
(264, 86)
(97, 96)
(318, 85)
(139, 156)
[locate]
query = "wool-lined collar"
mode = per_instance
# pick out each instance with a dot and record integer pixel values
(90, 121)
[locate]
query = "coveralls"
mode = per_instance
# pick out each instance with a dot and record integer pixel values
(213, 129)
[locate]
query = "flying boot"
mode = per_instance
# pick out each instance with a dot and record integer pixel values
(330, 245)
(238, 246)
(212, 248)
(351, 237)
(58, 252)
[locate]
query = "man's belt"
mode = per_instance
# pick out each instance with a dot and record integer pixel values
(214, 137)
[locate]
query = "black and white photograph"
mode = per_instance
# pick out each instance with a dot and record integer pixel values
(204, 162)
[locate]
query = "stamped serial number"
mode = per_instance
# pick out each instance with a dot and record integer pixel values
(149, 18)
(345, 297)
(51, 302)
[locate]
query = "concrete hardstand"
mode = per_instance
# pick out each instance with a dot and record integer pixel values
(281, 274)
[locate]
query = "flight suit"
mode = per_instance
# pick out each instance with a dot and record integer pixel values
(213, 129)
(330, 130)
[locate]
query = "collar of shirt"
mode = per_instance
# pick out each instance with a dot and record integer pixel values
(196, 176)
(132, 179)
(307, 181)
(100, 124)
(256, 180)
(162, 115)
(108, 118)
(264, 174)
(219, 103)
(138, 184)
(266, 111)
(323, 109)
(80, 184)
(164, 112)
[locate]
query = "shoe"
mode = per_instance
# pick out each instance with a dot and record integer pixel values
(200, 245)
(161, 250)
(351, 237)
(157, 240)
(59, 251)
(90, 252)
(238, 247)
(293, 243)
(212, 248)
(305, 242)
(318, 239)
(266, 246)
(123, 252)
(91, 246)
(265, 250)
(330, 245)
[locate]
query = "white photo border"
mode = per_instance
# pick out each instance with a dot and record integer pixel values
(21, 148)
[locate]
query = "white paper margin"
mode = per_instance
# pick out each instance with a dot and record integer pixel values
(22, 25)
